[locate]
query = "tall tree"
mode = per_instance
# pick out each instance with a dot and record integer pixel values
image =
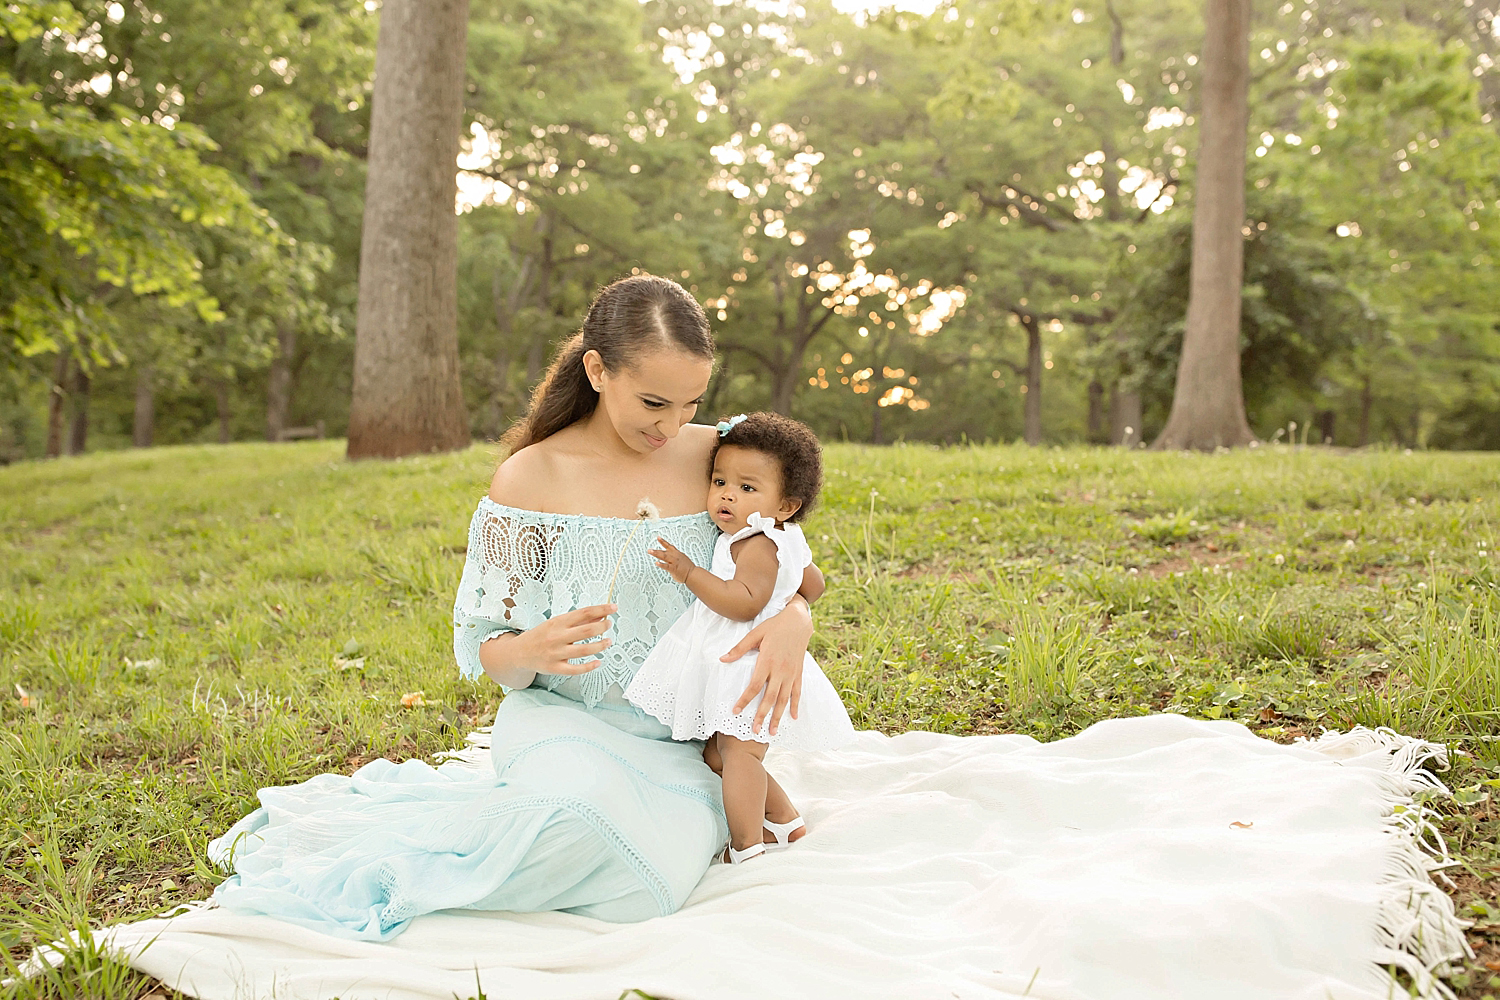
(1208, 405)
(407, 394)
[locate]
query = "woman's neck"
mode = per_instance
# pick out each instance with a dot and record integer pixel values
(596, 433)
(579, 470)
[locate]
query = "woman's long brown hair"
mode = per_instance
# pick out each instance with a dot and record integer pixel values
(626, 319)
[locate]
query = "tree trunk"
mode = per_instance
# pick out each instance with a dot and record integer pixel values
(1208, 404)
(78, 425)
(535, 355)
(1032, 431)
(56, 402)
(407, 396)
(1366, 403)
(715, 387)
(506, 303)
(279, 381)
(143, 428)
(784, 384)
(1125, 418)
(1325, 423)
(221, 403)
(1097, 432)
(501, 395)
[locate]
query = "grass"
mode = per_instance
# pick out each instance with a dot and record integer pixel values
(182, 626)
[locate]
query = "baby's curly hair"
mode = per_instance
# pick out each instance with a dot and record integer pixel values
(794, 447)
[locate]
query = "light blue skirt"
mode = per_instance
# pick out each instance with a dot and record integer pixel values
(589, 810)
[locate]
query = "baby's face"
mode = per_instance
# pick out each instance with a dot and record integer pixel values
(746, 482)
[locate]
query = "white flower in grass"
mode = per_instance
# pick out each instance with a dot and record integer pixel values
(1279, 559)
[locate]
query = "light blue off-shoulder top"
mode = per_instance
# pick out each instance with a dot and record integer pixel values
(525, 566)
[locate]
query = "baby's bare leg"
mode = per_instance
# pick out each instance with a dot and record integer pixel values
(711, 756)
(745, 784)
(779, 809)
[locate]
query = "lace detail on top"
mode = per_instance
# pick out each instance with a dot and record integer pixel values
(525, 566)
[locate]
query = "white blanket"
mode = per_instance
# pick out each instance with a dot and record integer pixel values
(1148, 858)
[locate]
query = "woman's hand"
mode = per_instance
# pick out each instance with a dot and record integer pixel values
(782, 641)
(516, 658)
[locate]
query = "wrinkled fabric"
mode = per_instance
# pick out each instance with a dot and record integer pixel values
(1154, 858)
(588, 806)
(576, 814)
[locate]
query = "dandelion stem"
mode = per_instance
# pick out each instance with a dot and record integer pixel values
(608, 597)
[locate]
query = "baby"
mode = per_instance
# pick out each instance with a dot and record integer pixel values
(767, 470)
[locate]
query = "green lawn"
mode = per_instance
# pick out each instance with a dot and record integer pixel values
(182, 626)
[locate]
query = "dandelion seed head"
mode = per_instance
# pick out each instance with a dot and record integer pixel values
(645, 508)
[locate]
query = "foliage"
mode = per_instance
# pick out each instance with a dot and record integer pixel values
(154, 149)
(92, 204)
(1298, 312)
(983, 208)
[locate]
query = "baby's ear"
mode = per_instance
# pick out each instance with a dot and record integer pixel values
(789, 506)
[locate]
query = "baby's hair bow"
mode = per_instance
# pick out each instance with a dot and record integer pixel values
(725, 426)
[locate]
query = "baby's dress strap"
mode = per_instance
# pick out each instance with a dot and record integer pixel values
(792, 550)
(754, 525)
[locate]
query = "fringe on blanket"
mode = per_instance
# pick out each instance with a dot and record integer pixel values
(475, 756)
(1417, 929)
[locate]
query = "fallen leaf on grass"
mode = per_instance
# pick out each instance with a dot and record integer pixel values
(413, 699)
(1471, 796)
(1242, 826)
(28, 700)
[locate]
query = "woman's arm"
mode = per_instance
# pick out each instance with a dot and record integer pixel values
(782, 641)
(515, 658)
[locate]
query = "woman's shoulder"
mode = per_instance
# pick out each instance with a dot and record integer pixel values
(698, 441)
(524, 479)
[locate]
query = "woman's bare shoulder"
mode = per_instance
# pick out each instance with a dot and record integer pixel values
(699, 439)
(525, 479)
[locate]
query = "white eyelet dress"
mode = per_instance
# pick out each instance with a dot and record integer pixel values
(684, 684)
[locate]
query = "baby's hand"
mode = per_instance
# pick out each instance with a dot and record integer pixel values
(677, 564)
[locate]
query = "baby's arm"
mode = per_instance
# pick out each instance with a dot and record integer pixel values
(740, 599)
(812, 583)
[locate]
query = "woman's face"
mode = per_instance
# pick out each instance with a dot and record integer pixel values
(647, 404)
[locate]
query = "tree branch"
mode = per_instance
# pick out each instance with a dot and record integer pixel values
(1028, 214)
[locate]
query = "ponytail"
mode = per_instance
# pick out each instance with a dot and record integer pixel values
(625, 318)
(563, 396)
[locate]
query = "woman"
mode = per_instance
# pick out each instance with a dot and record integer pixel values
(591, 808)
